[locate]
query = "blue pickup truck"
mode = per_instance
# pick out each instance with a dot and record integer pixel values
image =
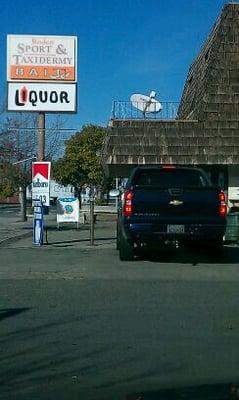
(170, 205)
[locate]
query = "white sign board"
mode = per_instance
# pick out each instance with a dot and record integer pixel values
(68, 209)
(41, 182)
(41, 58)
(42, 97)
(57, 190)
(233, 193)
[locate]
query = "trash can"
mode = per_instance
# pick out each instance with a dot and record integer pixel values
(232, 231)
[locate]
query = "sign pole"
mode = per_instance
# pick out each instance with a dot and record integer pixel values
(41, 136)
(92, 222)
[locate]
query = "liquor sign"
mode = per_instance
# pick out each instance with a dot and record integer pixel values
(41, 182)
(41, 58)
(48, 97)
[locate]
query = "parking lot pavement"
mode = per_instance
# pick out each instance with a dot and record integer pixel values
(12, 230)
(68, 236)
(16, 235)
(10, 224)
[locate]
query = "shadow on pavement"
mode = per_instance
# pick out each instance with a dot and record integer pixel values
(65, 242)
(229, 255)
(41, 356)
(204, 392)
(11, 312)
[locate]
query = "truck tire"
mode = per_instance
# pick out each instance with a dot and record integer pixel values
(212, 248)
(117, 237)
(126, 250)
(216, 248)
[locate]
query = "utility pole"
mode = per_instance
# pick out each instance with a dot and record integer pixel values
(41, 136)
(23, 203)
(116, 199)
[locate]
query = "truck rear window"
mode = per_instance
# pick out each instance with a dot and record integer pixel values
(170, 178)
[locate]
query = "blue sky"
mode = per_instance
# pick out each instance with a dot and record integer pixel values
(125, 46)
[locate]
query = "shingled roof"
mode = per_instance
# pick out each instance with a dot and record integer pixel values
(211, 90)
(206, 130)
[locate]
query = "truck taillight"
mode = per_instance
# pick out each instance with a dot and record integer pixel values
(222, 204)
(169, 167)
(127, 203)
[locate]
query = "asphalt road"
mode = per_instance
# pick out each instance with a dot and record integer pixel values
(76, 323)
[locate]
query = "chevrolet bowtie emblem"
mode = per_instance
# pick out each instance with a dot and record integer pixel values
(176, 202)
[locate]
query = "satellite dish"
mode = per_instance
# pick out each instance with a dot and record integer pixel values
(146, 104)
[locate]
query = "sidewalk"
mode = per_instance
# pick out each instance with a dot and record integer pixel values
(69, 237)
(19, 234)
(111, 209)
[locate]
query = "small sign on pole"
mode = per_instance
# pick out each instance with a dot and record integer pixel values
(38, 227)
(41, 182)
(68, 210)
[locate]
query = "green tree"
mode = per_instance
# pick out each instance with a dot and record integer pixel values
(81, 163)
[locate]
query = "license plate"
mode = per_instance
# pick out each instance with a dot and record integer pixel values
(175, 228)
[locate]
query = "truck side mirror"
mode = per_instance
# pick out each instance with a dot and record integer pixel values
(114, 193)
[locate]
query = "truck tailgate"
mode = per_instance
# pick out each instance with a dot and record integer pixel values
(174, 205)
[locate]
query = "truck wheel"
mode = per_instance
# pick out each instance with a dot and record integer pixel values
(117, 238)
(215, 249)
(126, 250)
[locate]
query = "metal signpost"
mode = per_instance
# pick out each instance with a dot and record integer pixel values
(41, 136)
(92, 221)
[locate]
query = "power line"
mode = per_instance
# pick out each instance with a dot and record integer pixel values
(25, 160)
(46, 129)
